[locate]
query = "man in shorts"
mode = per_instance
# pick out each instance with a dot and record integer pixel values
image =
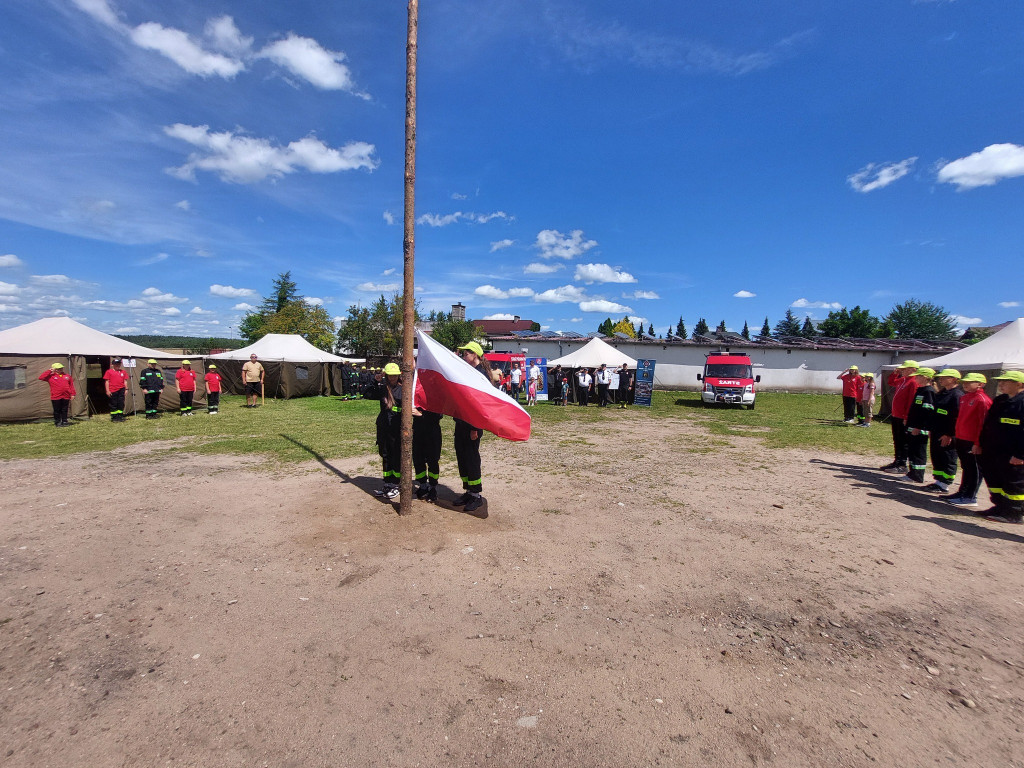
(252, 378)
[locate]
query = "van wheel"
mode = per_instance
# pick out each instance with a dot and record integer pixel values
(750, 407)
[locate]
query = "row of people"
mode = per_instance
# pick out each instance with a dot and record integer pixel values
(950, 416)
(858, 396)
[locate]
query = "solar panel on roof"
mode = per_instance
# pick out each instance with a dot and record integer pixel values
(621, 335)
(571, 335)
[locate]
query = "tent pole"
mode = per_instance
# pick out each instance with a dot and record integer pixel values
(409, 254)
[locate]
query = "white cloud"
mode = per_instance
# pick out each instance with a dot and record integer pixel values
(377, 287)
(553, 244)
(501, 245)
(537, 268)
(183, 205)
(245, 159)
(8, 289)
(157, 296)
(99, 10)
(435, 220)
(744, 294)
(127, 329)
(642, 295)
(499, 316)
(51, 279)
(313, 301)
(805, 304)
(561, 294)
(10, 260)
(459, 196)
(963, 322)
(201, 311)
(389, 217)
(155, 259)
(1008, 304)
(184, 51)
(875, 176)
(230, 292)
(601, 305)
(985, 168)
(601, 273)
(306, 58)
(224, 35)
(389, 271)
(171, 311)
(491, 292)
(243, 307)
(634, 319)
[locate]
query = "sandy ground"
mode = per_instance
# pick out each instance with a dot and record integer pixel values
(675, 600)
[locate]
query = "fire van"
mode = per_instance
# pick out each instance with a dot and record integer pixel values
(728, 378)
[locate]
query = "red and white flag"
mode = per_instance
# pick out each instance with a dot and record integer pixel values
(445, 383)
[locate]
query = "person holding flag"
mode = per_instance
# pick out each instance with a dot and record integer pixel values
(387, 388)
(467, 439)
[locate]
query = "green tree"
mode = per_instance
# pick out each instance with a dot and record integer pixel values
(605, 328)
(624, 326)
(650, 330)
(681, 328)
(375, 331)
(454, 333)
(701, 328)
(808, 331)
(766, 330)
(534, 327)
(639, 330)
(745, 333)
(285, 311)
(914, 319)
(283, 291)
(721, 327)
(788, 326)
(855, 323)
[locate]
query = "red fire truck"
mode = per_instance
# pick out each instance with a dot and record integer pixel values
(728, 378)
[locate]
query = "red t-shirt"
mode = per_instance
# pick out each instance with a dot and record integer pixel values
(212, 382)
(851, 384)
(62, 386)
(904, 397)
(186, 380)
(971, 416)
(118, 379)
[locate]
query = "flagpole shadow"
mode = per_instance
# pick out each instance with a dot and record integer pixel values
(363, 483)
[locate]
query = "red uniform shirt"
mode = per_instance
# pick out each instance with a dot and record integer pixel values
(212, 382)
(118, 379)
(62, 386)
(851, 384)
(904, 397)
(186, 380)
(970, 417)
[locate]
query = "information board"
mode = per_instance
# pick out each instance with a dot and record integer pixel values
(644, 382)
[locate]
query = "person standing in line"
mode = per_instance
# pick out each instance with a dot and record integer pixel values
(115, 380)
(252, 378)
(185, 382)
(515, 381)
(564, 388)
(555, 377)
(467, 439)
(974, 405)
(426, 452)
(152, 383)
(625, 385)
(867, 400)
(62, 392)
(531, 392)
(901, 382)
(583, 384)
(535, 374)
(1001, 451)
(942, 442)
(213, 380)
(604, 381)
(920, 422)
(851, 392)
(387, 388)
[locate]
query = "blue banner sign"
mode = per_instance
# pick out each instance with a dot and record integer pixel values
(541, 364)
(644, 382)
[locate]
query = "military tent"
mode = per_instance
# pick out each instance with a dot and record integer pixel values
(28, 350)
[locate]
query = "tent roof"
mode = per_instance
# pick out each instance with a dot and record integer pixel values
(286, 347)
(1004, 350)
(64, 336)
(592, 354)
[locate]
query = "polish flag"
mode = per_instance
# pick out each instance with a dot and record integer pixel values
(445, 383)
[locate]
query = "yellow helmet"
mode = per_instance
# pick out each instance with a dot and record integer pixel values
(392, 369)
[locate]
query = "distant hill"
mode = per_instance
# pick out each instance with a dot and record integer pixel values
(192, 345)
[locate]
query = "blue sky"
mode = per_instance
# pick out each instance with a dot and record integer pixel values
(161, 163)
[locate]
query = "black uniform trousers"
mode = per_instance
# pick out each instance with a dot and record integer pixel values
(185, 401)
(943, 460)
(60, 411)
(899, 441)
(152, 404)
(602, 395)
(426, 447)
(467, 454)
(389, 445)
(917, 454)
(212, 401)
(582, 394)
(1005, 483)
(116, 400)
(849, 407)
(971, 479)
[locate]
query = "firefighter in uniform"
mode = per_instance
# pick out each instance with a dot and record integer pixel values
(115, 380)
(1001, 450)
(152, 383)
(974, 405)
(387, 388)
(901, 383)
(213, 380)
(185, 381)
(920, 422)
(467, 440)
(426, 452)
(943, 437)
(62, 391)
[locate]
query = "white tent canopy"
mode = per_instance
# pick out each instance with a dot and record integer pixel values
(592, 354)
(62, 336)
(1003, 350)
(285, 347)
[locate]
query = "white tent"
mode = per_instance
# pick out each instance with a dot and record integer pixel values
(62, 336)
(592, 354)
(1003, 350)
(287, 347)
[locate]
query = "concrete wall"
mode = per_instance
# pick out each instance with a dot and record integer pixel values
(785, 370)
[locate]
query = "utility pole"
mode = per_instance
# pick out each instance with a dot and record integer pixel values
(409, 251)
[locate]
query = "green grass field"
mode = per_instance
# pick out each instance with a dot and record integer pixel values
(295, 430)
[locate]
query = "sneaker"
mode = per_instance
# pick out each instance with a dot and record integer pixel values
(391, 493)
(381, 491)
(1016, 520)
(898, 469)
(850, 421)
(474, 503)
(432, 494)
(960, 501)
(890, 465)
(463, 499)
(421, 491)
(908, 478)
(949, 497)
(936, 488)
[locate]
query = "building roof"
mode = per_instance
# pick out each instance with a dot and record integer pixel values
(288, 347)
(503, 327)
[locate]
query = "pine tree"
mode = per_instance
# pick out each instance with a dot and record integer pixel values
(766, 330)
(650, 330)
(681, 328)
(605, 328)
(808, 331)
(721, 327)
(701, 328)
(745, 333)
(639, 330)
(787, 326)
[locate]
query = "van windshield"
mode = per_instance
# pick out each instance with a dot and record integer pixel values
(728, 371)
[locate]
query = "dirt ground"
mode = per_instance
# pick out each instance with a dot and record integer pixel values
(675, 599)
